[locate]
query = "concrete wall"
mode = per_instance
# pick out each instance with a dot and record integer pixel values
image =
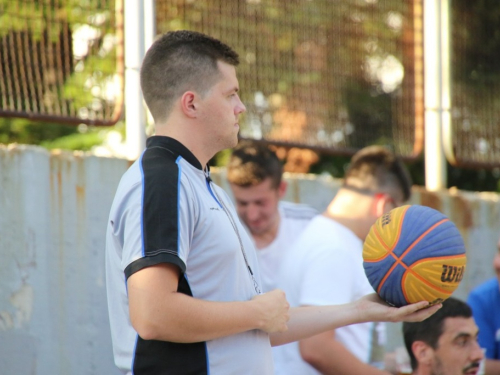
(53, 312)
(53, 213)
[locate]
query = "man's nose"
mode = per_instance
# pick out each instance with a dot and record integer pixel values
(240, 108)
(477, 353)
(252, 212)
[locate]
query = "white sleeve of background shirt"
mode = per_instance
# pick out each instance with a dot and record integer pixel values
(329, 274)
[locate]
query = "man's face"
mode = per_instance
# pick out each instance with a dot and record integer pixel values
(257, 205)
(220, 109)
(457, 351)
(496, 262)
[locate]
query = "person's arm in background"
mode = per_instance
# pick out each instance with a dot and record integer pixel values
(329, 356)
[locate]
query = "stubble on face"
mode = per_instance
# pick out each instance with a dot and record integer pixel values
(225, 108)
(457, 351)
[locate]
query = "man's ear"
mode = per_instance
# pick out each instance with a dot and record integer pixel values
(383, 203)
(423, 353)
(189, 104)
(282, 189)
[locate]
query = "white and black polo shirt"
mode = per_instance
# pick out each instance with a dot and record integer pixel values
(166, 209)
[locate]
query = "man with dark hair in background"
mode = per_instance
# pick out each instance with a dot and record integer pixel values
(446, 343)
(255, 175)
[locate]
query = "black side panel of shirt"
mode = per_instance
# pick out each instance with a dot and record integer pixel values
(160, 235)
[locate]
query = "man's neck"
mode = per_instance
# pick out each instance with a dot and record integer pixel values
(420, 372)
(350, 210)
(187, 138)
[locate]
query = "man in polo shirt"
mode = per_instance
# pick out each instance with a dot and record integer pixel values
(183, 283)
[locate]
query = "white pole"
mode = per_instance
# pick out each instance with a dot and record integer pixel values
(149, 38)
(135, 114)
(446, 88)
(435, 162)
(149, 23)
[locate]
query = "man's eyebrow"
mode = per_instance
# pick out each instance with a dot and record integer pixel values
(463, 335)
(233, 89)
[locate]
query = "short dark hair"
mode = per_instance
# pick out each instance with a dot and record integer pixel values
(251, 163)
(376, 167)
(179, 61)
(430, 329)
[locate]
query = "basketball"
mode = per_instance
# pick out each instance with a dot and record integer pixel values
(414, 253)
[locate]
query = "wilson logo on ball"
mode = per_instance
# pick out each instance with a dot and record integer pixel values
(386, 219)
(452, 274)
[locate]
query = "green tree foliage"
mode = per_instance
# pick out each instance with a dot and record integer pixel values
(294, 55)
(29, 132)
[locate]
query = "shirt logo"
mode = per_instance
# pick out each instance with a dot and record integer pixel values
(497, 336)
(214, 209)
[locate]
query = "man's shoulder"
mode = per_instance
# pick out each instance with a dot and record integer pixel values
(322, 234)
(487, 291)
(130, 181)
(296, 211)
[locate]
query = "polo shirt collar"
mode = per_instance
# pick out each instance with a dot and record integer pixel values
(176, 147)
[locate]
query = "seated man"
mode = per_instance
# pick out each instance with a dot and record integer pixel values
(255, 176)
(325, 266)
(485, 303)
(446, 343)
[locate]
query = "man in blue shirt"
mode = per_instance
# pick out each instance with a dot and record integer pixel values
(485, 303)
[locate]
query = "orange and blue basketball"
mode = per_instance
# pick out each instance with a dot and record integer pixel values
(414, 253)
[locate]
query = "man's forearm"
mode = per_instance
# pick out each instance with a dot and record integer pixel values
(194, 320)
(159, 312)
(311, 320)
(306, 321)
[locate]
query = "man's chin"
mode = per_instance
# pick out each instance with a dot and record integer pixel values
(232, 143)
(256, 231)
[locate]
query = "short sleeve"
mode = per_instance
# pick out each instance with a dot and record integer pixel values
(159, 218)
(486, 337)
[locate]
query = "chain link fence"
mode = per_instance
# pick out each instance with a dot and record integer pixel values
(333, 76)
(62, 60)
(475, 56)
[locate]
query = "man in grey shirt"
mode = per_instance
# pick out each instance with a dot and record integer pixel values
(182, 277)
